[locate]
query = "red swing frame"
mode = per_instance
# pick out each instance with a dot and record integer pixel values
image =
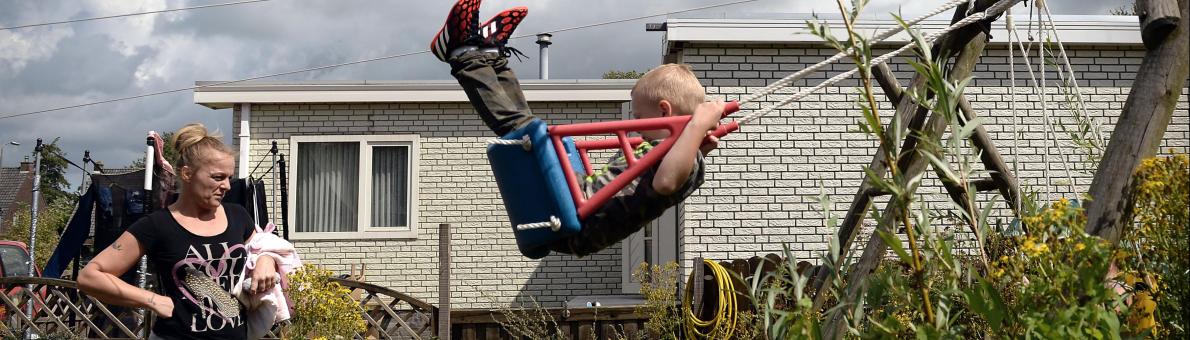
(636, 167)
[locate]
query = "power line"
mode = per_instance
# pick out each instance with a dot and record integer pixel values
(635, 18)
(352, 62)
(131, 14)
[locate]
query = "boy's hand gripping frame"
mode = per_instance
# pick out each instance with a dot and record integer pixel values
(675, 125)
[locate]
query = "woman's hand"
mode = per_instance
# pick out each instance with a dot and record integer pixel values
(264, 276)
(161, 304)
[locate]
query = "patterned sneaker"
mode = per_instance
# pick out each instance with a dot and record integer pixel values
(498, 29)
(460, 26)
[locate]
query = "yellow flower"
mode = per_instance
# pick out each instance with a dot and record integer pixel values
(1028, 244)
(1080, 246)
(998, 273)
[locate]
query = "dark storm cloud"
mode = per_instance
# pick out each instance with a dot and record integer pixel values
(82, 64)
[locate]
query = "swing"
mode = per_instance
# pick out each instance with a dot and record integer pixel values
(538, 169)
(538, 165)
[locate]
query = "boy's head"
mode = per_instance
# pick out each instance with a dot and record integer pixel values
(667, 90)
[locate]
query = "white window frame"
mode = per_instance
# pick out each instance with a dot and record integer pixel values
(364, 229)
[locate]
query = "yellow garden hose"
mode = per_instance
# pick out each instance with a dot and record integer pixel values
(723, 324)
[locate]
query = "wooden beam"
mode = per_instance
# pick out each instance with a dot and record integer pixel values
(911, 117)
(892, 89)
(1158, 18)
(911, 165)
(888, 83)
(862, 200)
(1003, 179)
(698, 284)
(443, 324)
(1139, 131)
(990, 156)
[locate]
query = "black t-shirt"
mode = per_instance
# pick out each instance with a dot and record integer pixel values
(175, 253)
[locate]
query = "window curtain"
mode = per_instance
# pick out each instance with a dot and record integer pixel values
(328, 187)
(390, 186)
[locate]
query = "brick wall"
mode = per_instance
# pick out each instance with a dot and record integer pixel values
(456, 187)
(764, 181)
(762, 184)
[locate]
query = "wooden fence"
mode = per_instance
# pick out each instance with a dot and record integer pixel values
(579, 324)
(55, 308)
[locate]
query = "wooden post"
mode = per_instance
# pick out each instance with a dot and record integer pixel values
(1141, 127)
(444, 281)
(697, 284)
(1158, 18)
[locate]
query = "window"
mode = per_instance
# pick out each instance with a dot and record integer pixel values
(655, 244)
(350, 187)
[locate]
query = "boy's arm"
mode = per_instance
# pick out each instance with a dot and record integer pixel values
(676, 165)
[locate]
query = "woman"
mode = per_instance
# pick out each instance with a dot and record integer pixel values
(196, 247)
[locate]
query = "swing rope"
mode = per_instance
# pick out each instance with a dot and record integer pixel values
(1042, 88)
(995, 9)
(1016, 147)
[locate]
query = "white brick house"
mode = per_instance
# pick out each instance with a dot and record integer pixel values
(761, 183)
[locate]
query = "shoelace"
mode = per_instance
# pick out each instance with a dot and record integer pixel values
(509, 51)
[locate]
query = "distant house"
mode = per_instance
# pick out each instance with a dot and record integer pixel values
(761, 185)
(16, 191)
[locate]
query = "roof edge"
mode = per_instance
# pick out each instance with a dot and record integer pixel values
(220, 95)
(1072, 29)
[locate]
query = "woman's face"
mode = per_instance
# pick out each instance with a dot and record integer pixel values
(207, 181)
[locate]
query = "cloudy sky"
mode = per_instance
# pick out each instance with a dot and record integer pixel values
(59, 65)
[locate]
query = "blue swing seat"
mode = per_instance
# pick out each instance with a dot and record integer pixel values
(534, 189)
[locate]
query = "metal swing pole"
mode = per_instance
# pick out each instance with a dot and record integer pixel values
(33, 222)
(273, 151)
(86, 180)
(147, 201)
(284, 196)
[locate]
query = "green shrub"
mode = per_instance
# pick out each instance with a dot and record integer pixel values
(658, 285)
(1156, 247)
(322, 309)
(51, 220)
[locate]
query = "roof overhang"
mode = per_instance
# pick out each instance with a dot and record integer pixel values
(216, 95)
(791, 29)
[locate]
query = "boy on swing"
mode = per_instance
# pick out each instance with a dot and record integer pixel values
(479, 61)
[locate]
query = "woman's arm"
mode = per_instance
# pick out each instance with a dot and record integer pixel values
(101, 278)
(264, 274)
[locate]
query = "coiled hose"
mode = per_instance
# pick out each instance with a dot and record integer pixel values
(723, 323)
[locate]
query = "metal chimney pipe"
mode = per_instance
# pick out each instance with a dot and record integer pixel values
(543, 40)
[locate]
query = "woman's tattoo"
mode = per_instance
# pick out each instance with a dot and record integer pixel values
(117, 246)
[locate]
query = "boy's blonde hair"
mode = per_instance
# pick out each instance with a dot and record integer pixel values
(675, 83)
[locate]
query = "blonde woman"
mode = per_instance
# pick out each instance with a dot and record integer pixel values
(196, 247)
